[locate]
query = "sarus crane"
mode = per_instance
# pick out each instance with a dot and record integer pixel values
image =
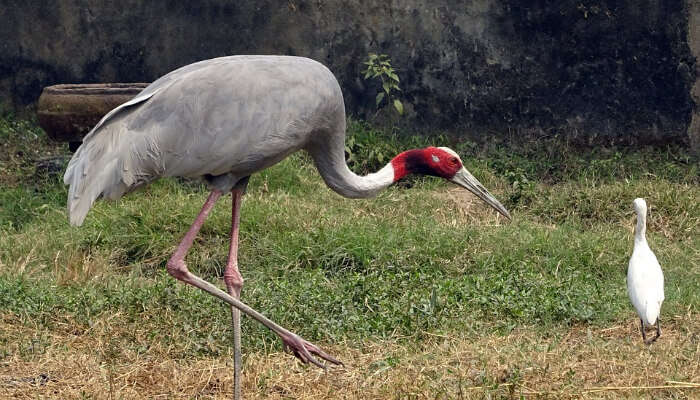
(645, 280)
(222, 120)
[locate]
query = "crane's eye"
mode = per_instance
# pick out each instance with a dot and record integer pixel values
(453, 160)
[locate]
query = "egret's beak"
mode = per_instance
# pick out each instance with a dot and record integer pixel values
(466, 180)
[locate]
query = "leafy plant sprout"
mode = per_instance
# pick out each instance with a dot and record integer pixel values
(379, 67)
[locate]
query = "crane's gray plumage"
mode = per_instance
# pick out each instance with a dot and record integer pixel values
(220, 119)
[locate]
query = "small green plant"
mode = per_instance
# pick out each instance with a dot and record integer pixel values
(379, 67)
(367, 148)
(523, 188)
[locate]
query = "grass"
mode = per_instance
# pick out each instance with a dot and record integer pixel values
(423, 291)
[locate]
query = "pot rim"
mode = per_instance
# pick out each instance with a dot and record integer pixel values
(95, 88)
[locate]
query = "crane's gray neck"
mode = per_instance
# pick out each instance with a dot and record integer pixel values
(641, 228)
(335, 172)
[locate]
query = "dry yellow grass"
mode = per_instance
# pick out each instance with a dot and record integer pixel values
(458, 206)
(583, 362)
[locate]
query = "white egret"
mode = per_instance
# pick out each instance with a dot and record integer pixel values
(645, 280)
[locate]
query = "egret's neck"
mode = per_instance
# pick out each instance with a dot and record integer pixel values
(641, 229)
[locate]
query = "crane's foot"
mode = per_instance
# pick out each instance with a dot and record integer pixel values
(303, 350)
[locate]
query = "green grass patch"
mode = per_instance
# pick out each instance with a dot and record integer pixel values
(412, 261)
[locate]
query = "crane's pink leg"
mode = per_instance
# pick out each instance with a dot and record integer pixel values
(301, 348)
(234, 283)
(176, 265)
(232, 277)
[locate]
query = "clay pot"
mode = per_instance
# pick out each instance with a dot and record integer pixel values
(68, 112)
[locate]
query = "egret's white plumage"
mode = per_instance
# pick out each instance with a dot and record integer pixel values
(645, 280)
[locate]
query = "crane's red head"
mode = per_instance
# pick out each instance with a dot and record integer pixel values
(445, 163)
(435, 161)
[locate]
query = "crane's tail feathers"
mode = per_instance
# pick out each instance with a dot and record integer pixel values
(86, 188)
(100, 168)
(103, 165)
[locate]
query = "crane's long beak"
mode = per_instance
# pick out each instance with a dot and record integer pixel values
(466, 180)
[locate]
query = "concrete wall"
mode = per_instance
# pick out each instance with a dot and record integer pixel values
(618, 70)
(694, 43)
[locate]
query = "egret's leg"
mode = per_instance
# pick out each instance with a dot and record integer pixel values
(234, 283)
(301, 348)
(658, 329)
(644, 335)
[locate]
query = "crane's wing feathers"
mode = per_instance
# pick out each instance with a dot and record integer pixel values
(104, 165)
(140, 98)
(221, 118)
(155, 87)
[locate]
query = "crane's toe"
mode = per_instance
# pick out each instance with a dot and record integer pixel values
(303, 350)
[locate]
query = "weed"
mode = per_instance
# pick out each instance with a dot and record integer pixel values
(379, 67)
